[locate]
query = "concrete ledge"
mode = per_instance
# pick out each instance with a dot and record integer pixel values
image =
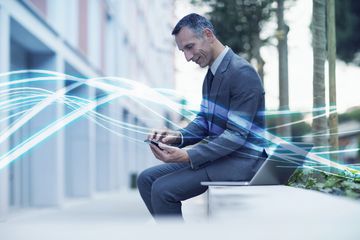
(280, 205)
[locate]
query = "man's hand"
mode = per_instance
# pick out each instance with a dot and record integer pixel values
(165, 136)
(169, 154)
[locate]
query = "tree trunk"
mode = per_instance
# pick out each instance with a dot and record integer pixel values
(282, 33)
(257, 56)
(333, 117)
(319, 125)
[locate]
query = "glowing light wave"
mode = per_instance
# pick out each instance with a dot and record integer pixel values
(19, 104)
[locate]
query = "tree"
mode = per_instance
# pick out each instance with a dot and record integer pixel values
(347, 30)
(319, 55)
(333, 118)
(319, 126)
(281, 35)
(337, 182)
(238, 23)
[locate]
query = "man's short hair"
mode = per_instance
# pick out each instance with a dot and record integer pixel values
(195, 22)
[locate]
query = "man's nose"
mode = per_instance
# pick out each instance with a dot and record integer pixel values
(188, 56)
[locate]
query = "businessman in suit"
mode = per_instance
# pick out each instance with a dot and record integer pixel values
(226, 147)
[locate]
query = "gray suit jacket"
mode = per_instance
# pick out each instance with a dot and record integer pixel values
(225, 121)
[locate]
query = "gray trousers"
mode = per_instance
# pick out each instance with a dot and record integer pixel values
(163, 187)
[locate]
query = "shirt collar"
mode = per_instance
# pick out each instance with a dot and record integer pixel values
(218, 60)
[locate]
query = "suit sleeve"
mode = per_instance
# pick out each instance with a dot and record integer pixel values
(244, 102)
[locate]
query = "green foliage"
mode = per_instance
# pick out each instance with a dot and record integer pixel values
(299, 129)
(238, 23)
(347, 29)
(328, 183)
(350, 115)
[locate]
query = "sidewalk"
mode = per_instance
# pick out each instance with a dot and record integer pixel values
(111, 215)
(103, 207)
(258, 214)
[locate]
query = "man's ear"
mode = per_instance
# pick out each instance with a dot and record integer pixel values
(208, 34)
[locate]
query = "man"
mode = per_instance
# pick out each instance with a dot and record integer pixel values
(233, 98)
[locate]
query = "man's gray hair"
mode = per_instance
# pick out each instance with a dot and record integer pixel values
(195, 22)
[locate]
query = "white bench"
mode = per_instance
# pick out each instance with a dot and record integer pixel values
(277, 208)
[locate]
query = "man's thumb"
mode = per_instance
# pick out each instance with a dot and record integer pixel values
(166, 147)
(166, 139)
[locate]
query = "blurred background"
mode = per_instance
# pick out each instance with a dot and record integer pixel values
(83, 38)
(132, 39)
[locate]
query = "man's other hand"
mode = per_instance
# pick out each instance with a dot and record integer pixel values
(165, 136)
(169, 154)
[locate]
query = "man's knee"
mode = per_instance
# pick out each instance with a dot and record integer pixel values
(163, 190)
(144, 179)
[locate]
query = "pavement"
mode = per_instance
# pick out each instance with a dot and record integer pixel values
(237, 213)
(112, 215)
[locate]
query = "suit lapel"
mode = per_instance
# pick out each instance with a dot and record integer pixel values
(218, 77)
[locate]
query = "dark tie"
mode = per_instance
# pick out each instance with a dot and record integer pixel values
(209, 79)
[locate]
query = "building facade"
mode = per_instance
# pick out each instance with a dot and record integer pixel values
(83, 38)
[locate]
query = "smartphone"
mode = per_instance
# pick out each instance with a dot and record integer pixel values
(153, 142)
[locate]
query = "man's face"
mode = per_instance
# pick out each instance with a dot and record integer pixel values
(195, 48)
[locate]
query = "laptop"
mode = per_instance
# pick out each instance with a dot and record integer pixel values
(276, 169)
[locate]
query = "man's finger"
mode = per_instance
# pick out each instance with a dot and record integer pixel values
(152, 134)
(162, 133)
(154, 152)
(157, 136)
(168, 138)
(159, 152)
(167, 148)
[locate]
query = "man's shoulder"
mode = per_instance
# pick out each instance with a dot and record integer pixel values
(233, 63)
(239, 65)
(239, 62)
(241, 72)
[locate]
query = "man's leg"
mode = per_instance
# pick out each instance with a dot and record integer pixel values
(169, 190)
(148, 176)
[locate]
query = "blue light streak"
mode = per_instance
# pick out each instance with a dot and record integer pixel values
(20, 103)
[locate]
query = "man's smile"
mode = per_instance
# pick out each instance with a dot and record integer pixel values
(197, 60)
